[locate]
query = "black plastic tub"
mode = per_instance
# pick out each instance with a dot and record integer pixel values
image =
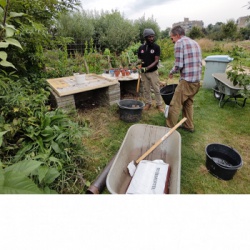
(130, 110)
(167, 93)
(222, 161)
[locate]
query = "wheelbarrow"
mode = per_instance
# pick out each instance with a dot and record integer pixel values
(139, 138)
(226, 91)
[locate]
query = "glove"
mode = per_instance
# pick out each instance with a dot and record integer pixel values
(138, 63)
(142, 70)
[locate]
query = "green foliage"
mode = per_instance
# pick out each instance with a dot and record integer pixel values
(229, 30)
(165, 33)
(46, 11)
(115, 32)
(167, 48)
(14, 179)
(237, 53)
(195, 32)
(245, 32)
(35, 20)
(143, 23)
(239, 76)
(77, 25)
(30, 131)
(215, 31)
(107, 29)
(7, 32)
(129, 56)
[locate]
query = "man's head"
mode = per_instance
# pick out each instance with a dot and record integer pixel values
(149, 35)
(176, 33)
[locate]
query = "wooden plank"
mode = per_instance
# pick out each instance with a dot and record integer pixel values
(67, 85)
(133, 76)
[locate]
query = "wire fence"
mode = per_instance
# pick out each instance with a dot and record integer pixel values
(73, 48)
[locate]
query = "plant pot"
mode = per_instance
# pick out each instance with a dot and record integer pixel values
(127, 73)
(130, 110)
(117, 73)
(167, 93)
(222, 161)
(112, 72)
(80, 78)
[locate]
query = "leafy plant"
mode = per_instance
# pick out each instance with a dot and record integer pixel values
(14, 179)
(237, 53)
(7, 31)
(29, 130)
(238, 74)
(239, 77)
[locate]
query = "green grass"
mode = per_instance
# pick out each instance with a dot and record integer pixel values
(228, 125)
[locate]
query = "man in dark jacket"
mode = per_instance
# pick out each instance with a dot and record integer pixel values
(149, 53)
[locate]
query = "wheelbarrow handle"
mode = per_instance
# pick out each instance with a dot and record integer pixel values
(161, 140)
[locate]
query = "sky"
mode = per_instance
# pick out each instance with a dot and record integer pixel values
(167, 12)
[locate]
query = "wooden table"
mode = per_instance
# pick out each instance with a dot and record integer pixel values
(128, 84)
(65, 89)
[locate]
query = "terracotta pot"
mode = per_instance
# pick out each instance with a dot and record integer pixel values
(117, 72)
(123, 72)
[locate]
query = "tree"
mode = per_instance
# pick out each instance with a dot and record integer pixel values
(214, 32)
(165, 33)
(34, 30)
(229, 29)
(115, 32)
(245, 32)
(143, 23)
(77, 25)
(195, 32)
(46, 11)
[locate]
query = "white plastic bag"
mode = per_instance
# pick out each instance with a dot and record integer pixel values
(166, 111)
(149, 178)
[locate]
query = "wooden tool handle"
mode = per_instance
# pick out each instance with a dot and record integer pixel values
(138, 83)
(161, 140)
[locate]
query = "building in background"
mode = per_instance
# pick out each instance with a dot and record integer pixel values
(243, 21)
(187, 24)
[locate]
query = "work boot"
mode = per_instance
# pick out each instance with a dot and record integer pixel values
(160, 108)
(187, 129)
(147, 106)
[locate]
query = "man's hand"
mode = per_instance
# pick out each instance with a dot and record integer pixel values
(142, 70)
(170, 76)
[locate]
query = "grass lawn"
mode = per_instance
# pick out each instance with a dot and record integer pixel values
(228, 125)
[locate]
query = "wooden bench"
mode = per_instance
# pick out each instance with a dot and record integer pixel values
(65, 90)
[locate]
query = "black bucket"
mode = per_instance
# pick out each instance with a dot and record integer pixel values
(130, 110)
(167, 92)
(222, 161)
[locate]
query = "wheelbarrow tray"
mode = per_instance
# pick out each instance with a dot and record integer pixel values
(139, 138)
(225, 87)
